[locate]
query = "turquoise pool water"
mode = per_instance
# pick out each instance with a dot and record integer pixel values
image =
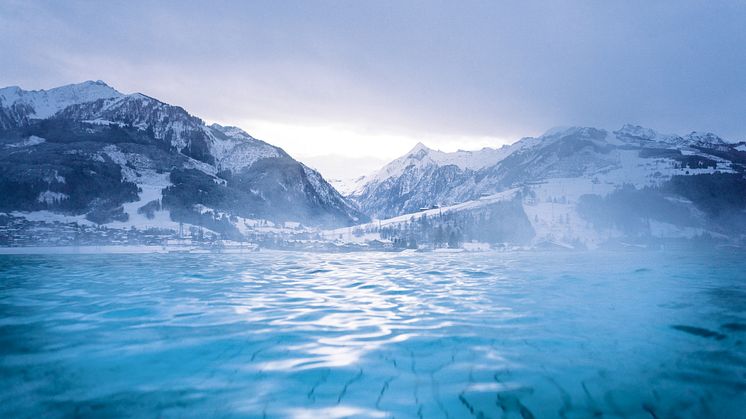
(282, 334)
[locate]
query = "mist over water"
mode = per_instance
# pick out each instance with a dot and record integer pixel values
(286, 334)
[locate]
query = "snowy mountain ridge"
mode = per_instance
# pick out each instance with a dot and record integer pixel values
(45, 103)
(131, 160)
(87, 154)
(572, 176)
(474, 172)
(237, 149)
(422, 157)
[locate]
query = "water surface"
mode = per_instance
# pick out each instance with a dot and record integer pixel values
(282, 334)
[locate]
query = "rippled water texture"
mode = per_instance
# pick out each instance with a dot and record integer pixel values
(373, 335)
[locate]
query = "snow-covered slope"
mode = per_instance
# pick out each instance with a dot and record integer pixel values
(417, 178)
(122, 156)
(422, 158)
(235, 149)
(45, 103)
(559, 173)
(424, 177)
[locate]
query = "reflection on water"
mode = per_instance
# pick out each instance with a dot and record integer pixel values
(373, 335)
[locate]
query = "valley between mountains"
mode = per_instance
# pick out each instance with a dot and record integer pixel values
(94, 166)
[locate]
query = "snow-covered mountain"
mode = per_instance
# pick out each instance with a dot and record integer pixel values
(573, 180)
(419, 178)
(90, 153)
(17, 106)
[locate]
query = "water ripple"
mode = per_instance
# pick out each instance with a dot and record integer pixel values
(373, 335)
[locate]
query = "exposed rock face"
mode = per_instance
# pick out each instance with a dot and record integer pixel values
(87, 149)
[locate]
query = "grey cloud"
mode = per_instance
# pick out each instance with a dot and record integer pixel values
(502, 69)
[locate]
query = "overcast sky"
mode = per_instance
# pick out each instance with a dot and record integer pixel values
(370, 79)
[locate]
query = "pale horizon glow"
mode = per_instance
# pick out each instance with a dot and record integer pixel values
(368, 150)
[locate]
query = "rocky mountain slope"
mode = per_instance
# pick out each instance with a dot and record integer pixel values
(582, 184)
(89, 153)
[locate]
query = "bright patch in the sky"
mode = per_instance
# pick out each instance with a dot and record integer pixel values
(304, 141)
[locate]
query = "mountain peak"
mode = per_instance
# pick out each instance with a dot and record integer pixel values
(94, 83)
(556, 130)
(564, 131)
(10, 89)
(91, 87)
(636, 131)
(46, 103)
(419, 147)
(704, 138)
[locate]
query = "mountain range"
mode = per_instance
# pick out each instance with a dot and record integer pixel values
(577, 184)
(93, 154)
(90, 155)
